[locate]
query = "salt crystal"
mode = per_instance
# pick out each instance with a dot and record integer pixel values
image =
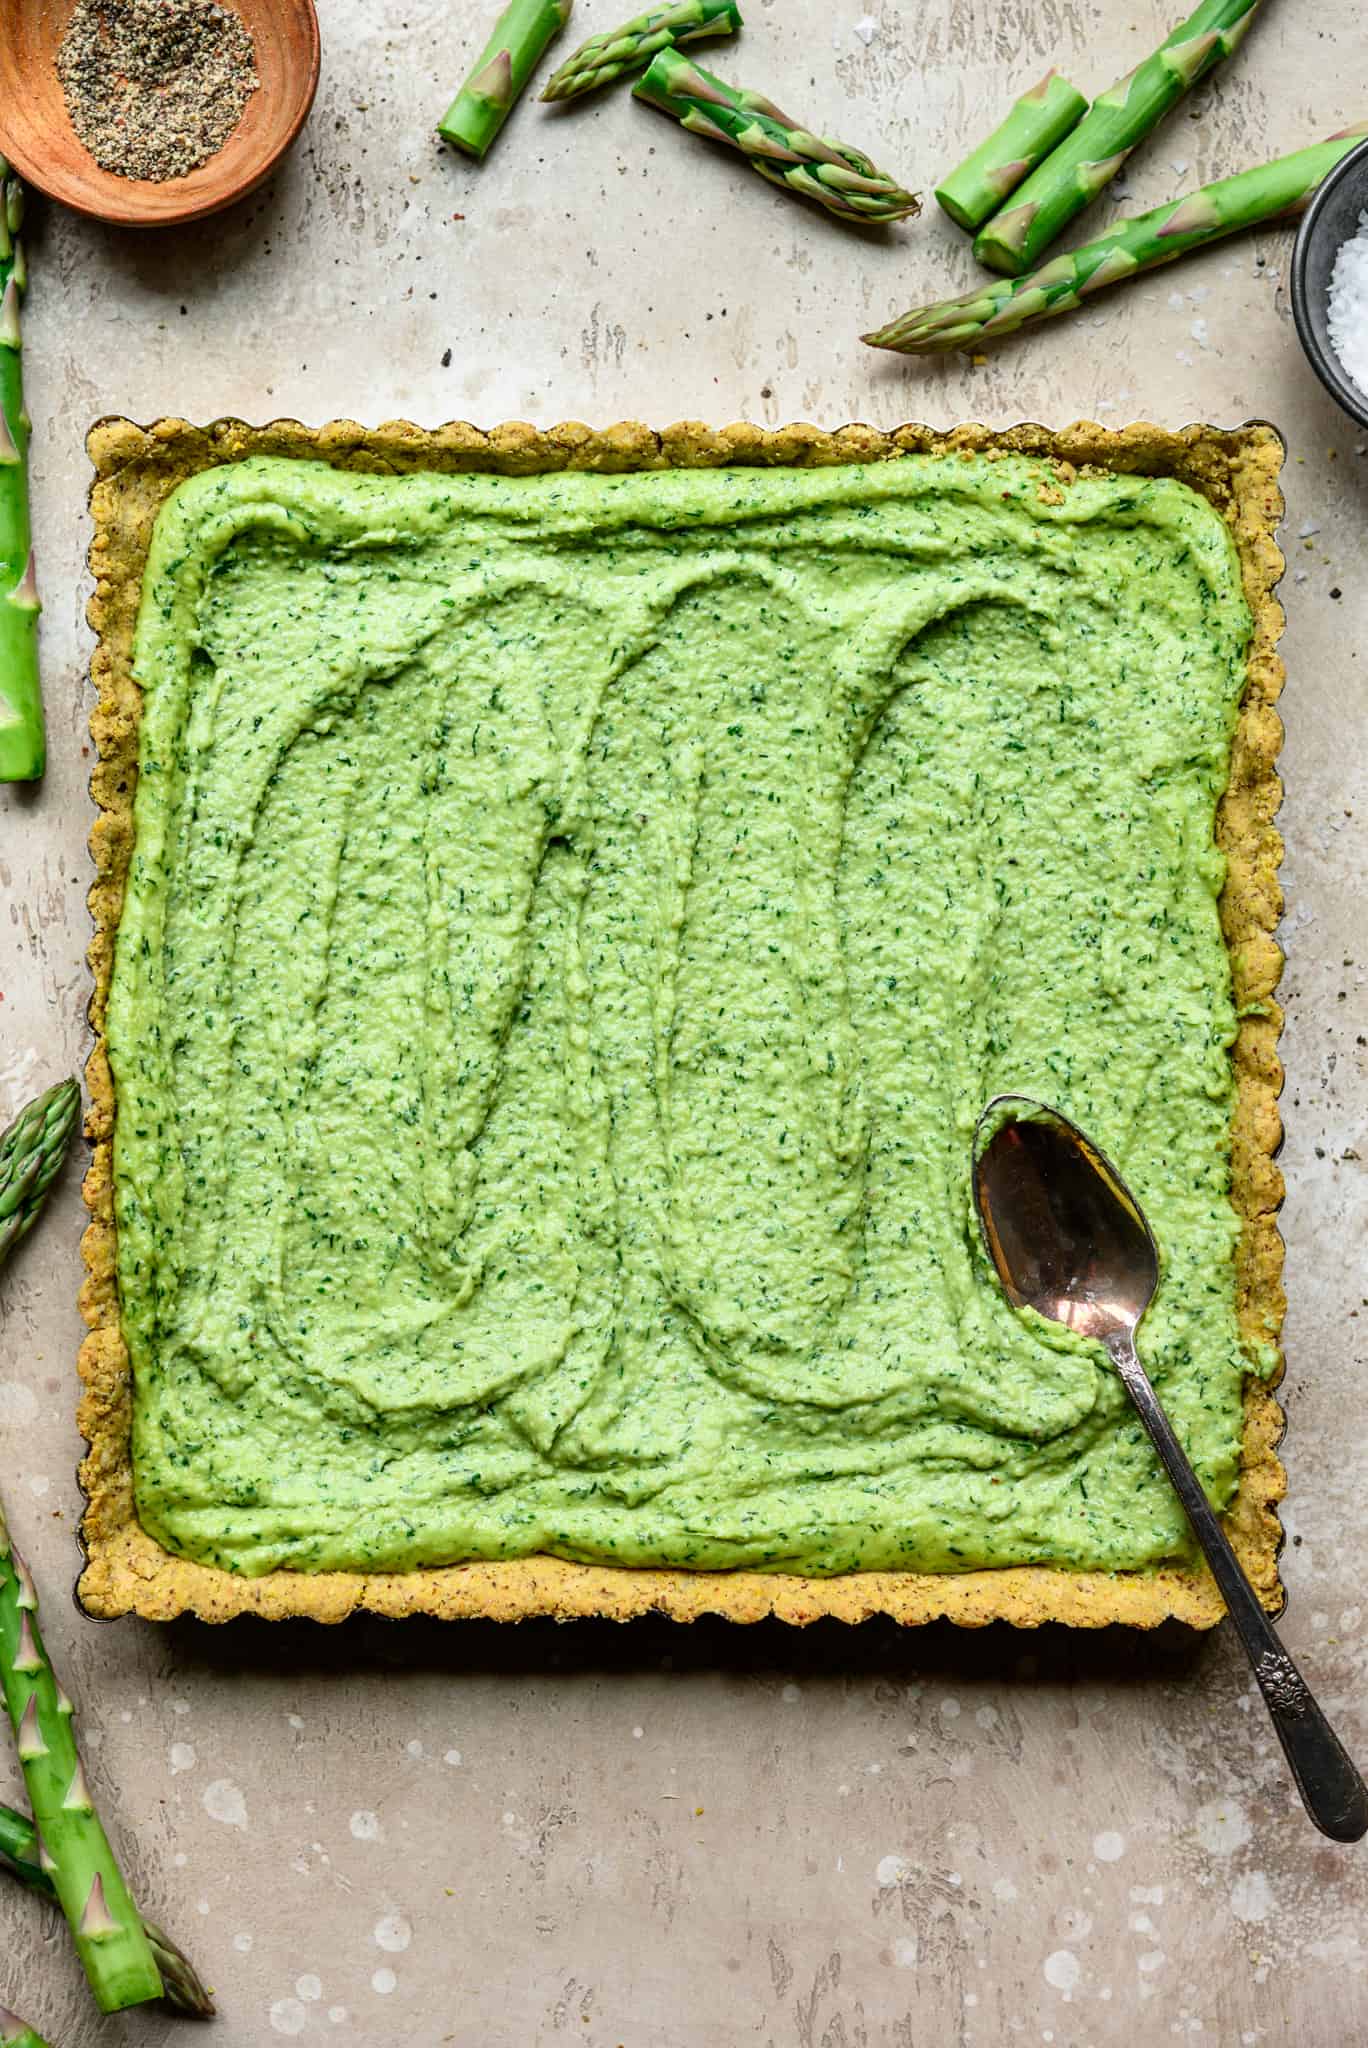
(865, 29)
(1349, 306)
(1306, 529)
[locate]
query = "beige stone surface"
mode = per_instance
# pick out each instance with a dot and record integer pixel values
(695, 1836)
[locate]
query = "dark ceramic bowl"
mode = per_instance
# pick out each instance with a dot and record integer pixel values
(1331, 220)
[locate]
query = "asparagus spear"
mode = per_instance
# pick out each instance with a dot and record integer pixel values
(631, 47)
(73, 1850)
(839, 178)
(1072, 175)
(19, 1854)
(23, 751)
(1039, 121)
(31, 1151)
(1270, 192)
(507, 61)
(14, 2033)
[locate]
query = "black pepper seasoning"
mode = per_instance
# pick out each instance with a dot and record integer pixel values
(154, 88)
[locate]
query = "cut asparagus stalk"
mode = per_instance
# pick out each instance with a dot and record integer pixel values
(1073, 174)
(1037, 123)
(841, 179)
(74, 1850)
(23, 750)
(507, 61)
(1270, 192)
(15, 2033)
(631, 47)
(31, 1151)
(19, 1854)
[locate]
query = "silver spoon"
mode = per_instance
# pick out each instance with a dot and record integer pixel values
(1069, 1239)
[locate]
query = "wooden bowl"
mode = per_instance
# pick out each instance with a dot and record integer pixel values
(37, 136)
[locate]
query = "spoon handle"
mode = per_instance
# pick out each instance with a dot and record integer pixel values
(1332, 1791)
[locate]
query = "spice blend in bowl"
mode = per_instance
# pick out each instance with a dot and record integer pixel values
(38, 138)
(154, 88)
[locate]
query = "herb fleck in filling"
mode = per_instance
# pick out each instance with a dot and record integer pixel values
(574, 925)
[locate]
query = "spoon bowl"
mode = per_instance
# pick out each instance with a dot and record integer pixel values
(1063, 1230)
(37, 137)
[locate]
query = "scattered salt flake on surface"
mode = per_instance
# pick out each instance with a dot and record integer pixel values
(1177, 303)
(1179, 164)
(1251, 1897)
(1348, 300)
(337, 2014)
(1306, 529)
(950, 1708)
(384, 1981)
(288, 2016)
(295, 1720)
(1198, 331)
(452, 1757)
(790, 1694)
(1181, 356)
(393, 1934)
(905, 1952)
(1222, 1826)
(638, 1732)
(224, 1802)
(202, 1908)
(182, 1758)
(366, 1827)
(1153, 1961)
(18, 1403)
(414, 1749)
(866, 28)
(1004, 1889)
(1109, 1847)
(891, 1870)
(180, 1706)
(243, 1944)
(38, 1486)
(1301, 575)
(310, 1989)
(1063, 1970)
(1147, 1894)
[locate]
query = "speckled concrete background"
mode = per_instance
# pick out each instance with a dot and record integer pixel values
(655, 1836)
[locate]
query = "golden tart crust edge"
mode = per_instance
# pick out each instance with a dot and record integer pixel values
(127, 1572)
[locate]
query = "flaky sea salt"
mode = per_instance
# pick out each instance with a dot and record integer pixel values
(1349, 306)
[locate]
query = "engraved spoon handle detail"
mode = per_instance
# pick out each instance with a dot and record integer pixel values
(1332, 1791)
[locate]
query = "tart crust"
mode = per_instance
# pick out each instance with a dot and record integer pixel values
(126, 1571)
